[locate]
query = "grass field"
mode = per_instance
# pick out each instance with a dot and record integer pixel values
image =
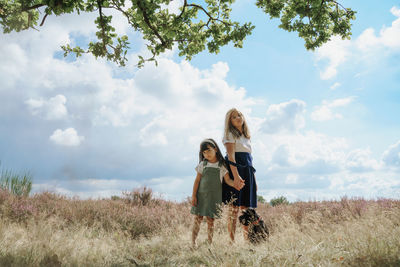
(136, 230)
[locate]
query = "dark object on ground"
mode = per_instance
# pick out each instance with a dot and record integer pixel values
(258, 231)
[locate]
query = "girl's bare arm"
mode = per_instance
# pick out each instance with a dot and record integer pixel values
(195, 187)
(228, 180)
(237, 180)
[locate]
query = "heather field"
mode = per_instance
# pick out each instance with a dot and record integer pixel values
(137, 230)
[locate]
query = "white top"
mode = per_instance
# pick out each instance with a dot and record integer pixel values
(242, 144)
(222, 169)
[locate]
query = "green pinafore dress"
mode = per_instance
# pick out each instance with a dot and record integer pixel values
(209, 193)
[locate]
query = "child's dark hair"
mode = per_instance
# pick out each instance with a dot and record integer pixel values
(204, 146)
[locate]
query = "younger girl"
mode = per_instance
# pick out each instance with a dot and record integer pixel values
(207, 188)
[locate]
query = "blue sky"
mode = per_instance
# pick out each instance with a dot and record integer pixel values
(324, 123)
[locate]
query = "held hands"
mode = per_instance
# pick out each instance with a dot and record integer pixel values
(238, 183)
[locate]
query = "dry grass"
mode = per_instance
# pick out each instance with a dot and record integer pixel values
(52, 230)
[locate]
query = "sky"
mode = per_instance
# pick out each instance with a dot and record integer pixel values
(324, 123)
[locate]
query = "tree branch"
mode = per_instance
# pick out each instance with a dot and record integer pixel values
(339, 4)
(208, 14)
(32, 7)
(117, 7)
(183, 10)
(146, 19)
(44, 18)
(102, 26)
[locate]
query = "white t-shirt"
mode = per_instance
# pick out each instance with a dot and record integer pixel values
(242, 144)
(222, 169)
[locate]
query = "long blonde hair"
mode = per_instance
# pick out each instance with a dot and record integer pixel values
(229, 128)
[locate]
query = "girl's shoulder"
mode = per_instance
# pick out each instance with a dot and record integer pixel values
(199, 168)
(229, 138)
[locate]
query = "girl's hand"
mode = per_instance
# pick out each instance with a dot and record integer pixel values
(238, 183)
(194, 201)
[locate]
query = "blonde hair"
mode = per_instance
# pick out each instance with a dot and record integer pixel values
(229, 128)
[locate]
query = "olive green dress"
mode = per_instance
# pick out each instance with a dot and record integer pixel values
(209, 193)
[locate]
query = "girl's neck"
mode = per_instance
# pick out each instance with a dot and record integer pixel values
(213, 160)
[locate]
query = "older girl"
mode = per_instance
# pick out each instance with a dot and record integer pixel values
(238, 146)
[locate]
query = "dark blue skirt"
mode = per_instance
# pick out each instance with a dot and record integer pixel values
(247, 196)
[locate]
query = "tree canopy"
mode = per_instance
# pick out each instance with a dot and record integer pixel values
(198, 25)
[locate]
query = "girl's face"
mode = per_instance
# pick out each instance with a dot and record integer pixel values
(237, 120)
(210, 154)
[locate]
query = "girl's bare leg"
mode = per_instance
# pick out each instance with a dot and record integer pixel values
(233, 211)
(210, 223)
(196, 228)
(245, 228)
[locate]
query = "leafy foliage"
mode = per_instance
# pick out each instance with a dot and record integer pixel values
(197, 27)
(260, 199)
(279, 201)
(315, 20)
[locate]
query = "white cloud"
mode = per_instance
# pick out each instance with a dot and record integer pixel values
(291, 178)
(395, 11)
(390, 36)
(363, 50)
(391, 157)
(172, 187)
(325, 111)
(168, 187)
(335, 85)
(52, 109)
(284, 117)
(312, 165)
(367, 40)
(361, 160)
(281, 156)
(87, 188)
(152, 133)
(301, 153)
(13, 58)
(336, 52)
(68, 137)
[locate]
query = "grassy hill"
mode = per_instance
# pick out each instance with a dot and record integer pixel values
(47, 229)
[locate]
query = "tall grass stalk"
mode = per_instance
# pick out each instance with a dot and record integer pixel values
(17, 184)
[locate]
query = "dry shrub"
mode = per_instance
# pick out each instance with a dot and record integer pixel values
(139, 196)
(144, 216)
(16, 208)
(4, 194)
(330, 212)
